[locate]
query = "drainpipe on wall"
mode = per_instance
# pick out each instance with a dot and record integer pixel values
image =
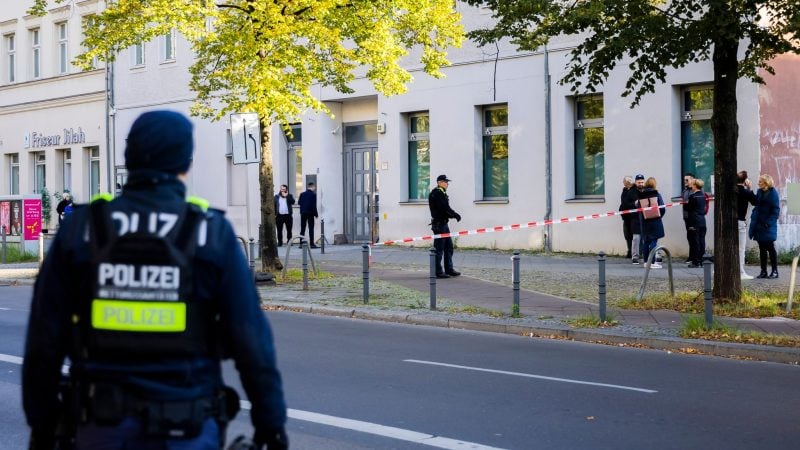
(548, 166)
(110, 113)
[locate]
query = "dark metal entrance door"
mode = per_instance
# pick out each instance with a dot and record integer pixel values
(361, 193)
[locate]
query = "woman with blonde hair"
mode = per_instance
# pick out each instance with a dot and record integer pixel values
(764, 224)
(652, 226)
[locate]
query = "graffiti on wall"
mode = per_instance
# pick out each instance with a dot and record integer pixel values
(779, 111)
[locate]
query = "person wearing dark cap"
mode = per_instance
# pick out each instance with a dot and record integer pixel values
(441, 213)
(145, 294)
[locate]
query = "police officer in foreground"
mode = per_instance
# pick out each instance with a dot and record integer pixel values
(145, 294)
(441, 213)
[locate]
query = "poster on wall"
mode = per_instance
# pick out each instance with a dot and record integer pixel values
(10, 216)
(32, 212)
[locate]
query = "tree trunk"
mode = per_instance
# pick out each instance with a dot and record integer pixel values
(727, 282)
(270, 261)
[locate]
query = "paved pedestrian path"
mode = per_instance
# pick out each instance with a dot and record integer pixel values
(408, 267)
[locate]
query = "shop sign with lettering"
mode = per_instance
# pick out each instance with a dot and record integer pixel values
(69, 137)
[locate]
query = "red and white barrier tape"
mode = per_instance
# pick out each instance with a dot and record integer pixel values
(519, 226)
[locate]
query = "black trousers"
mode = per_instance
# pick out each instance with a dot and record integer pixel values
(768, 248)
(444, 248)
(281, 221)
(307, 220)
(627, 231)
(697, 244)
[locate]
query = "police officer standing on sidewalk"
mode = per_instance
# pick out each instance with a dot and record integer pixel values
(439, 204)
(145, 294)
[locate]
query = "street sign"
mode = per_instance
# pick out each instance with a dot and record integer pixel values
(246, 138)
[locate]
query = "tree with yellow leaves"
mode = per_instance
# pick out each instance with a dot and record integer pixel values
(264, 56)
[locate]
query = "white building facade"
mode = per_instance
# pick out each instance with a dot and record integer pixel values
(486, 126)
(52, 113)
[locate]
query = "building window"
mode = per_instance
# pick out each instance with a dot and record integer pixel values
(86, 23)
(697, 139)
(168, 47)
(36, 54)
(495, 152)
(39, 172)
(67, 170)
(419, 157)
(94, 170)
(14, 173)
(294, 158)
(11, 58)
(137, 55)
(589, 147)
(63, 48)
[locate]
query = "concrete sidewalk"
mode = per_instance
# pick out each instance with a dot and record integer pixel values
(408, 267)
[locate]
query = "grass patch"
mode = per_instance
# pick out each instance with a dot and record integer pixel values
(296, 276)
(752, 304)
(590, 321)
(14, 254)
(694, 327)
(474, 310)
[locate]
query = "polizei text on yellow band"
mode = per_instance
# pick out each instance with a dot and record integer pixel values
(158, 317)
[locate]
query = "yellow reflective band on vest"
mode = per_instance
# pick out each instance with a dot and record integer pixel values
(158, 317)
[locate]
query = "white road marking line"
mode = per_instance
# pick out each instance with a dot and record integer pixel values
(528, 375)
(350, 424)
(379, 430)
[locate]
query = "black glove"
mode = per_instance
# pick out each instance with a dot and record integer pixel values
(458, 217)
(272, 439)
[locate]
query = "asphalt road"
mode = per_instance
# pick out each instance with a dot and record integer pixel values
(354, 384)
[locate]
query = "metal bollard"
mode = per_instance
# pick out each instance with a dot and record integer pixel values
(322, 239)
(304, 244)
(365, 271)
(432, 257)
(709, 300)
(3, 244)
(41, 248)
(601, 284)
(515, 282)
(252, 257)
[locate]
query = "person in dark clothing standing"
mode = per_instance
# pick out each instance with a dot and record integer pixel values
(688, 179)
(62, 205)
(283, 213)
(744, 198)
(650, 219)
(636, 224)
(628, 201)
(696, 223)
(764, 224)
(441, 213)
(145, 293)
(308, 212)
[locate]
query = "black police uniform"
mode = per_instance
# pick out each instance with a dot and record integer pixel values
(441, 213)
(139, 387)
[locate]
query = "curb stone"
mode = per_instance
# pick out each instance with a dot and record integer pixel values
(784, 355)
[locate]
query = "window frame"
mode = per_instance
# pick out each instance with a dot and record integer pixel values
(86, 22)
(581, 124)
(421, 194)
(66, 169)
(138, 57)
(93, 157)
(491, 131)
(36, 53)
(62, 41)
(13, 167)
(294, 159)
(10, 47)
(39, 161)
(167, 47)
(695, 115)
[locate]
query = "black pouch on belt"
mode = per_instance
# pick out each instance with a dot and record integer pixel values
(177, 419)
(106, 404)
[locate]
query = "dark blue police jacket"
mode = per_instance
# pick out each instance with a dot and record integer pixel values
(221, 276)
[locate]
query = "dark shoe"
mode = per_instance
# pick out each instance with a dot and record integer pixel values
(693, 266)
(454, 273)
(763, 274)
(774, 274)
(314, 246)
(442, 275)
